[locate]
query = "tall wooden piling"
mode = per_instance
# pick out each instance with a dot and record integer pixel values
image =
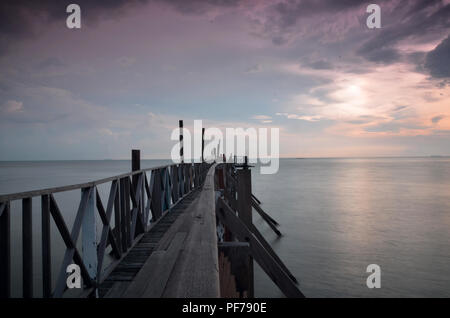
(135, 166)
(203, 144)
(180, 123)
(244, 208)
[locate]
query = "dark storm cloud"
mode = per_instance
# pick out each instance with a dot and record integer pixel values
(24, 18)
(283, 17)
(438, 60)
(422, 19)
(20, 19)
(17, 17)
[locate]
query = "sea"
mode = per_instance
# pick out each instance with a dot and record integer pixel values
(337, 215)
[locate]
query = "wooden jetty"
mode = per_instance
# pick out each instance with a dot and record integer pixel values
(181, 230)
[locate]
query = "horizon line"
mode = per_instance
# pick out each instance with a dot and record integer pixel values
(290, 157)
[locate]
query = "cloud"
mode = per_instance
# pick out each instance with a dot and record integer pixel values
(438, 60)
(283, 20)
(253, 69)
(300, 117)
(390, 100)
(21, 19)
(396, 127)
(126, 61)
(411, 21)
(50, 62)
(321, 65)
(383, 55)
(437, 119)
(261, 117)
(289, 12)
(12, 106)
(264, 119)
(199, 6)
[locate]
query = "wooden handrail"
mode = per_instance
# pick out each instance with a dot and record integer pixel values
(150, 200)
(234, 214)
(34, 193)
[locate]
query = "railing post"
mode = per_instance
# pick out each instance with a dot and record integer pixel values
(117, 218)
(175, 186)
(5, 252)
(244, 208)
(157, 195)
(89, 237)
(123, 214)
(181, 179)
(165, 190)
(128, 211)
(46, 248)
(187, 186)
(135, 166)
(27, 248)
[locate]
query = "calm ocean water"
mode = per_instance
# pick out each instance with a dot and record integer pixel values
(337, 217)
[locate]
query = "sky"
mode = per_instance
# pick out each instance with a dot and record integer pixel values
(313, 69)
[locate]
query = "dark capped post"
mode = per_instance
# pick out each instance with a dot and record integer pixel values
(181, 141)
(135, 165)
(203, 144)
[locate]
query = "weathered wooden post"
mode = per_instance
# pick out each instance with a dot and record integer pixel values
(46, 245)
(5, 251)
(125, 212)
(135, 162)
(157, 195)
(203, 144)
(244, 208)
(182, 172)
(27, 250)
(181, 141)
(136, 166)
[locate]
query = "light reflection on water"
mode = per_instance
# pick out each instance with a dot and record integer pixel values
(340, 215)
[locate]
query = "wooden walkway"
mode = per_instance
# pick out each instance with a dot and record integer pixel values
(121, 277)
(177, 258)
(201, 242)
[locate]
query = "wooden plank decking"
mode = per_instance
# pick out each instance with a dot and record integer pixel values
(120, 278)
(177, 258)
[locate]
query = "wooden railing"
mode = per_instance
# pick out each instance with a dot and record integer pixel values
(240, 241)
(136, 200)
